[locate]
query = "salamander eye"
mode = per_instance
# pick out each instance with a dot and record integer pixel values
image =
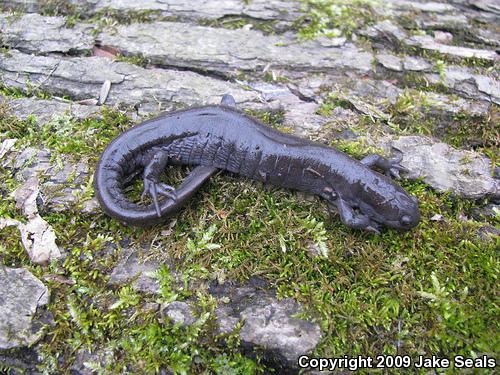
(405, 220)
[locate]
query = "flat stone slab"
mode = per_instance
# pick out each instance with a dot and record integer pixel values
(271, 324)
(179, 312)
(47, 110)
(400, 64)
(490, 6)
(209, 9)
(429, 43)
(431, 6)
(63, 181)
(82, 78)
(464, 173)
(28, 6)
(268, 323)
(40, 34)
(466, 83)
(391, 34)
(131, 268)
(227, 51)
(21, 294)
(440, 104)
(282, 10)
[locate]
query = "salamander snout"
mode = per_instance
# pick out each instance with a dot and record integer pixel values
(410, 218)
(405, 220)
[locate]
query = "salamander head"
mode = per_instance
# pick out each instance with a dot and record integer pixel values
(387, 203)
(371, 200)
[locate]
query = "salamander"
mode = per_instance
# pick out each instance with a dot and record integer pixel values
(220, 137)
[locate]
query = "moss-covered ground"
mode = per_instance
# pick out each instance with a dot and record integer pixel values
(430, 291)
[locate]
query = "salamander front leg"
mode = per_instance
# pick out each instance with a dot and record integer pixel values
(355, 220)
(152, 186)
(391, 167)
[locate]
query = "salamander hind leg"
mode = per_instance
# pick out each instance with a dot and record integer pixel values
(152, 186)
(391, 167)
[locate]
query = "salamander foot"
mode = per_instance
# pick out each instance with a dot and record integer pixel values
(355, 220)
(153, 189)
(152, 186)
(391, 167)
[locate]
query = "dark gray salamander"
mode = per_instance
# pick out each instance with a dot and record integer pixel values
(221, 137)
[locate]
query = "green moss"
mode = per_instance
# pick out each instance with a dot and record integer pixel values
(138, 60)
(64, 134)
(238, 22)
(111, 17)
(428, 291)
(413, 113)
(333, 100)
(29, 91)
(473, 62)
(334, 18)
(56, 7)
(273, 119)
(270, 76)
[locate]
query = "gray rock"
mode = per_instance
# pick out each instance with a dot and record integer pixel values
(130, 267)
(391, 62)
(21, 295)
(488, 233)
(392, 35)
(491, 6)
(430, 6)
(331, 42)
(91, 206)
(444, 105)
(268, 324)
(443, 37)
(302, 117)
(91, 362)
(48, 110)
(299, 115)
(179, 312)
(40, 34)
(455, 22)
(27, 6)
(28, 162)
(312, 87)
(209, 9)
(415, 64)
(486, 36)
(316, 86)
(270, 91)
(82, 78)
(385, 31)
(427, 42)
(271, 10)
(224, 51)
(7, 146)
(490, 211)
(21, 361)
(465, 83)
(464, 173)
(375, 91)
(65, 183)
(444, 108)
(63, 180)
